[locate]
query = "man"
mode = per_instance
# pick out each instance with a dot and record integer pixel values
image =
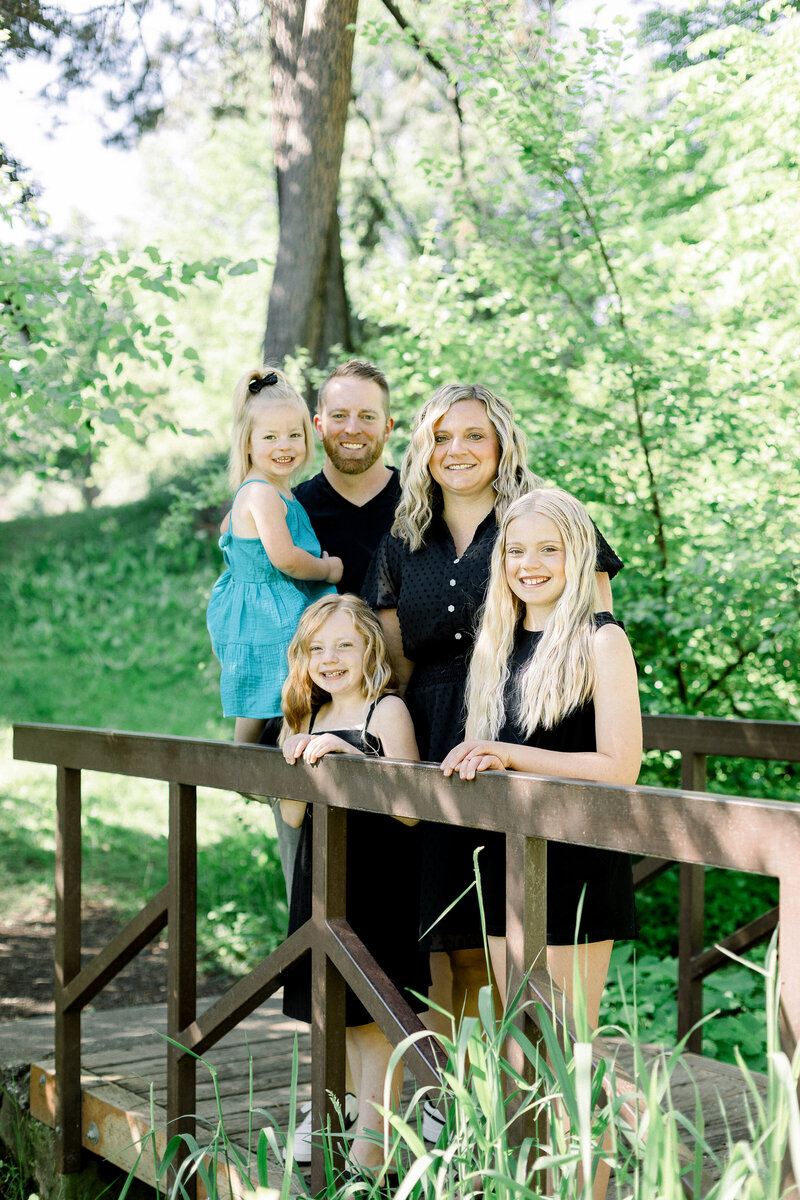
(351, 502)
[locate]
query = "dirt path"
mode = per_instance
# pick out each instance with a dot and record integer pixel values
(27, 967)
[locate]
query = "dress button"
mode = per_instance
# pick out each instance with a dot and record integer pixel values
(456, 560)
(452, 583)
(458, 637)
(451, 608)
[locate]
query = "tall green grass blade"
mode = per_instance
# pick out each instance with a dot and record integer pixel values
(582, 1052)
(262, 1158)
(286, 1182)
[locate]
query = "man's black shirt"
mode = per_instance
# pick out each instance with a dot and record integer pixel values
(349, 531)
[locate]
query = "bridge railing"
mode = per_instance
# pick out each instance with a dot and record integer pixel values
(686, 826)
(696, 739)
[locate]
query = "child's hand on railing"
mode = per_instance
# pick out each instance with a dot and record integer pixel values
(294, 746)
(321, 744)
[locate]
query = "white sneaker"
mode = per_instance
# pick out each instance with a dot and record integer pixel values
(303, 1131)
(432, 1122)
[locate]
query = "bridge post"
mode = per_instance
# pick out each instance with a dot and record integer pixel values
(789, 962)
(691, 921)
(182, 964)
(329, 896)
(526, 946)
(68, 965)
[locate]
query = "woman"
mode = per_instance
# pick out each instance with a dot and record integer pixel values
(465, 464)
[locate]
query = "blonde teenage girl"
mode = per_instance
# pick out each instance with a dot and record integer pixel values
(552, 690)
(339, 698)
(274, 567)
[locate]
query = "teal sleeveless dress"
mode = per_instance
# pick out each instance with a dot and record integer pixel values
(253, 614)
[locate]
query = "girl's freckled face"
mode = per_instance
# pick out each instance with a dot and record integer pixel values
(336, 656)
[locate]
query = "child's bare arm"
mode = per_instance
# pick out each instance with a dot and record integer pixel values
(267, 510)
(320, 744)
(393, 725)
(618, 729)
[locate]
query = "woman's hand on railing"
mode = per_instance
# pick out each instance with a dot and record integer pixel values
(467, 758)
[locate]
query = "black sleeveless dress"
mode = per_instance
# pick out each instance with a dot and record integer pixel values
(438, 595)
(609, 911)
(382, 873)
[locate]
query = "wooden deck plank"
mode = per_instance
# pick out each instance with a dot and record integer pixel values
(125, 1057)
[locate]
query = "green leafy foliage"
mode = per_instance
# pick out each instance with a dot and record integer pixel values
(89, 350)
(590, 1113)
(96, 593)
(618, 262)
(641, 999)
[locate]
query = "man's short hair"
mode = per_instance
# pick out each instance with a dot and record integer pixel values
(356, 368)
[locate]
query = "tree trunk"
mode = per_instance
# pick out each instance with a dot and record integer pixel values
(312, 53)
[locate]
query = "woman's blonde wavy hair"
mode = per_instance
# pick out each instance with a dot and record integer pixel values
(415, 510)
(562, 674)
(246, 405)
(301, 696)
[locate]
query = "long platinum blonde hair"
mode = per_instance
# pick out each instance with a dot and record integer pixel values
(562, 674)
(300, 695)
(419, 492)
(246, 404)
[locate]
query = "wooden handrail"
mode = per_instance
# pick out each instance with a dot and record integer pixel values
(684, 825)
(778, 741)
(696, 738)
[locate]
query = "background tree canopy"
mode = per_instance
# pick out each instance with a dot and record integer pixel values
(600, 224)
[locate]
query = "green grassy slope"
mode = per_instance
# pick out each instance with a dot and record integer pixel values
(104, 627)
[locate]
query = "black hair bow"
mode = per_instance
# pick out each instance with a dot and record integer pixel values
(255, 385)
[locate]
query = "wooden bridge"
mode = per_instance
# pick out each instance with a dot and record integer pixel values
(664, 825)
(124, 1083)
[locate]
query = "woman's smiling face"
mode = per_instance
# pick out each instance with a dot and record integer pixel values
(466, 453)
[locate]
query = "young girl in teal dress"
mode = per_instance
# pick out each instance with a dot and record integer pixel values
(274, 565)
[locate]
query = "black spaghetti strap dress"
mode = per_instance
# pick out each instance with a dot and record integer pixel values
(382, 873)
(606, 876)
(438, 594)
